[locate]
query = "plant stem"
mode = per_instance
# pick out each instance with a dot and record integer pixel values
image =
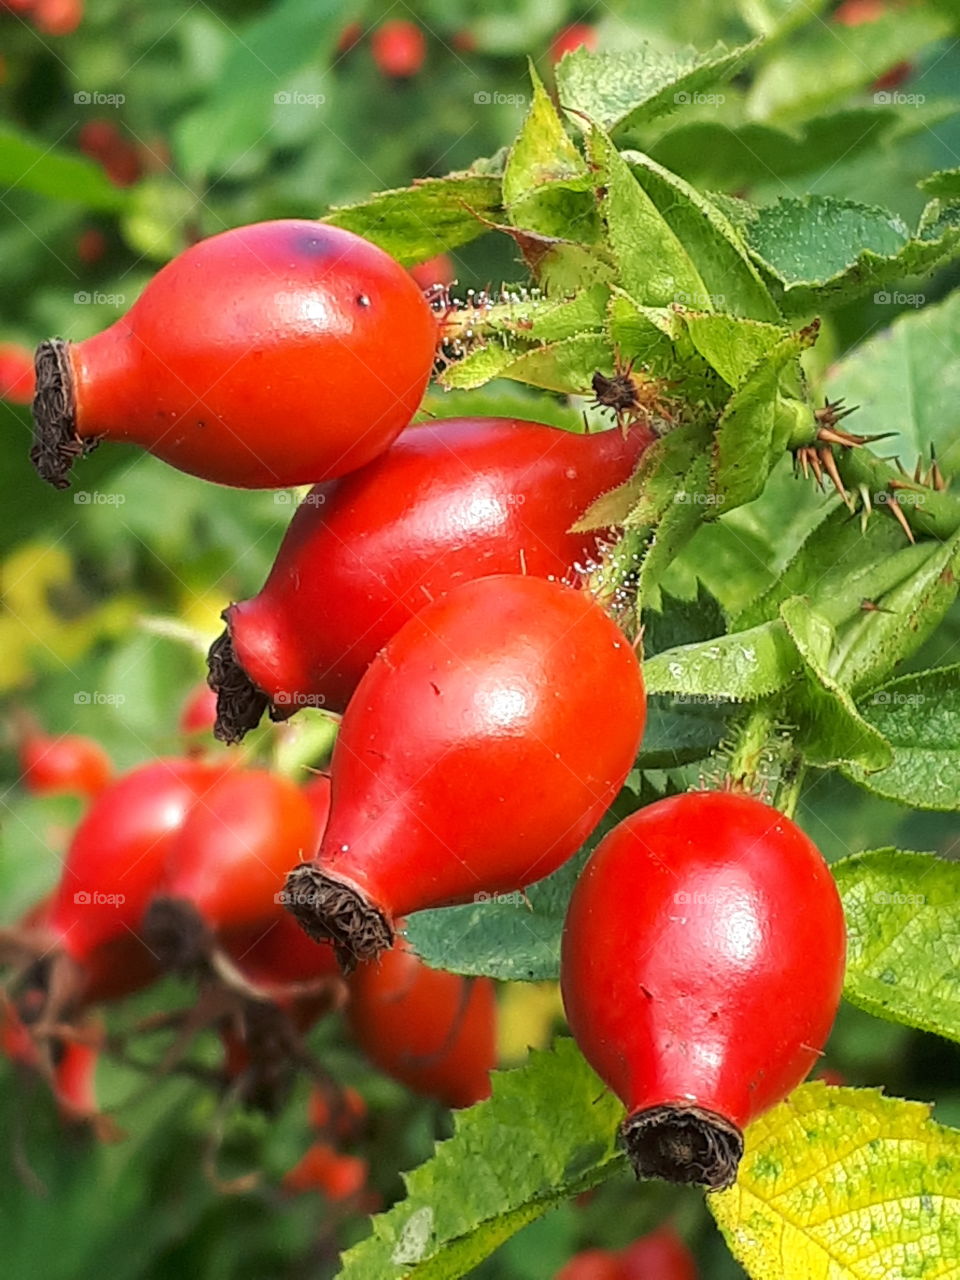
(931, 512)
(763, 759)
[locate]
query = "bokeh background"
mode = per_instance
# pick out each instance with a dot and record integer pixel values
(128, 130)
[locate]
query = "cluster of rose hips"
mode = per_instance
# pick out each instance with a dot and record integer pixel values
(430, 589)
(175, 866)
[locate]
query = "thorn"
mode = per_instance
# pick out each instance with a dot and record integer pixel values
(900, 466)
(830, 466)
(867, 511)
(937, 480)
(804, 464)
(905, 484)
(898, 513)
(917, 473)
(816, 468)
(871, 606)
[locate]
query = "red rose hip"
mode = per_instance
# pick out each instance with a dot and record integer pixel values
(479, 751)
(702, 964)
(433, 1031)
(449, 502)
(281, 353)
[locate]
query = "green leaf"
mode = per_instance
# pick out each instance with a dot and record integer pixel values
(542, 152)
(824, 64)
(944, 184)
(731, 345)
(754, 429)
(546, 185)
(546, 1134)
(830, 729)
(690, 507)
(903, 950)
(845, 1184)
(415, 223)
(919, 715)
(821, 251)
(560, 366)
(875, 641)
(652, 264)
(38, 167)
(711, 242)
(236, 112)
(513, 937)
(840, 564)
(904, 379)
(728, 154)
(622, 89)
(678, 622)
(741, 666)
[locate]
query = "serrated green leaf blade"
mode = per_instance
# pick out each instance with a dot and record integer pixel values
(415, 223)
(547, 1133)
(919, 715)
(903, 938)
(626, 88)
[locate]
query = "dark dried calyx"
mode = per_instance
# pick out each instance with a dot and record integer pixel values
(240, 704)
(56, 444)
(683, 1144)
(331, 911)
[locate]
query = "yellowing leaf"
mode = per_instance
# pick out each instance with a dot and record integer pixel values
(845, 1184)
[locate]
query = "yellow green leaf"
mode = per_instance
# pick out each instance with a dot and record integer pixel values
(845, 1184)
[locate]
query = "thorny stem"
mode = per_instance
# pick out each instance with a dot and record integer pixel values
(610, 582)
(932, 513)
(764, 761)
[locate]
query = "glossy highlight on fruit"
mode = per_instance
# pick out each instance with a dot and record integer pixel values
(481, 748)
(435, 1032)
(702, 964)
(450, 501)
(280, 353)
